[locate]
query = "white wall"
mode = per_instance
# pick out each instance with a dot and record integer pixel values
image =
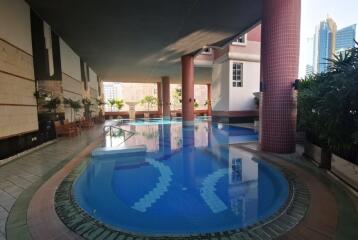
(242, 98)
(70, 61)
(18, 110)
(93, 79)
(15, 24)
(220, 87)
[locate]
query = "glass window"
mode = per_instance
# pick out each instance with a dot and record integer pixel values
(237, 74)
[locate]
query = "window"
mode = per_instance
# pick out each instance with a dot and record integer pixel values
(240, 40)
(207, 51)
(237, 74)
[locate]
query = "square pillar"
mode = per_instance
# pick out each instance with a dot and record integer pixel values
(160, 99)
(187, 62)
(166, 97)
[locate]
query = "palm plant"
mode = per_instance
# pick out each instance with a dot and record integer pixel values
(196, 105)
(328, 106)
(111, 103)
(87, 103)
(149, 102)
(73, 104)
(119, 103)
(52, 104)
(177, 96)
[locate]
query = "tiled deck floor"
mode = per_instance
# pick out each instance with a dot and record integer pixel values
(21, 173)
(30, 171)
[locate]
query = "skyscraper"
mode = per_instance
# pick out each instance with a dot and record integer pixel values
(310, 56)
(324, 44)
(345, 38)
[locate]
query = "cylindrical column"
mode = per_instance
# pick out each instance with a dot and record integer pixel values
(187, 63)
(160, 99)
(209, 99)
(279, 69)
(166, 97)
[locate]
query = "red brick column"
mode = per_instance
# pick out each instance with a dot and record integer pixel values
(209, 100)
(160, 100)
(187, 62)
(166, 97)
(279, 69)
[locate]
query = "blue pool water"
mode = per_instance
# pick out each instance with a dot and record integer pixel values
(189, 181)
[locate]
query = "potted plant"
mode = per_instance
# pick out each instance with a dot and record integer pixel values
(177, 96)
(100, 103)
(149, 102)
(119, 103)
(111, 103)
(74, 105)
(86, 101)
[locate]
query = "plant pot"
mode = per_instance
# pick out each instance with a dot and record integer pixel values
(146, 115)
(326, 158)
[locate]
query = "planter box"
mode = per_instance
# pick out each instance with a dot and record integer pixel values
(342, 168)
(345, 170)
(313, 151)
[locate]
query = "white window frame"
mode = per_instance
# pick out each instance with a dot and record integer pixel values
(240, 43)
(207, 53)
(235, 81)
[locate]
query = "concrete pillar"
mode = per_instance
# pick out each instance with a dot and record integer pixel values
(187, 62)
(279, 69)
(160, 99)
(209, 100)
(166, 97)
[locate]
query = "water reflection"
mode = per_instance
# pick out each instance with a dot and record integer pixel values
(190, 180)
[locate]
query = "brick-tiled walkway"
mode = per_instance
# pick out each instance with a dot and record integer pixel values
(21, 173)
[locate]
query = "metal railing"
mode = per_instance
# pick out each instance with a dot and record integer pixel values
(116, 131)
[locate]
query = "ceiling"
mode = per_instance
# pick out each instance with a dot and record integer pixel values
(141, 40)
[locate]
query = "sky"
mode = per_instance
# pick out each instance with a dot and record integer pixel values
(343, 12)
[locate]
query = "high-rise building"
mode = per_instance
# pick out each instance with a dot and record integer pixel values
(310, 56)
(345, 38)
(324, 44)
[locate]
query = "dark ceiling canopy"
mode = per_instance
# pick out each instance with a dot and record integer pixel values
(141, 40)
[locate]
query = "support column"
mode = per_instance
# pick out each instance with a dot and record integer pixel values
(160, 100)
(187, 62)
(166, 97)
(279, 69)
(209, 100)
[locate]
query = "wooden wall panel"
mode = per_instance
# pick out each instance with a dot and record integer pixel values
(15, 61)
(17, 119)
(15, 90)
(18, 107)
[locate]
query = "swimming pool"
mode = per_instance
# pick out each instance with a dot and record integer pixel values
(187, 181)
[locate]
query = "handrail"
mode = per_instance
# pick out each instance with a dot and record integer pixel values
(119, 128)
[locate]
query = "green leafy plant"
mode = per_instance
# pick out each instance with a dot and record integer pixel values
(177, 97)
(111, 103)
(52, 104)
(196, 105)
(328, 107)
(119, 103)
(149, 102)
(73, 104)
(87, 103)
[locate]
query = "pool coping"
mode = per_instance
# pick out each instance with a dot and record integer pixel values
(80, 222)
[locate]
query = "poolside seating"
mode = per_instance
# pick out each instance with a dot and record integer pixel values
(85, 123)
(64, 129)
(73, 125)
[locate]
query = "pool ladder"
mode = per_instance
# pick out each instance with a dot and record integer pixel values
(111, 130)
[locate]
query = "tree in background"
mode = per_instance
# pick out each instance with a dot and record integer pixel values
(111, 103)
(149, 102)
(177, 96)
(119, 103)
